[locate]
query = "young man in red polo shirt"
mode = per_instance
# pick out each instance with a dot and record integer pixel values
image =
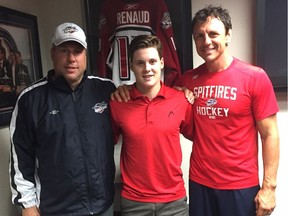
(150, 124)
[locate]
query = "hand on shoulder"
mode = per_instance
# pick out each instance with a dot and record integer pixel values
(122, 93)
(188, 94)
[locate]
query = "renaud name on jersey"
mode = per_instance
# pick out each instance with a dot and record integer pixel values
(133, 17)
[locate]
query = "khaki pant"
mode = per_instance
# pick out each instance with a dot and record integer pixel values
(175, 208)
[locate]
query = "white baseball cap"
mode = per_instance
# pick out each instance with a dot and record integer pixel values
(69, 32)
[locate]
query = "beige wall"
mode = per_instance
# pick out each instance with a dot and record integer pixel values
(50, 13)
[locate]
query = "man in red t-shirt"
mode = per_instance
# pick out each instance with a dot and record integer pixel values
(235, 101)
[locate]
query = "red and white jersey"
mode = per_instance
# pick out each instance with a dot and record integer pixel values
(122, 20)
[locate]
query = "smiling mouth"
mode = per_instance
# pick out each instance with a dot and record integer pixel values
(148, 76)
(208, 49)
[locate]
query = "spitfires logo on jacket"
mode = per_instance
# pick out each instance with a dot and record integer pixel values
(131, 6)
(100, 107)
(166, 21)
(54, 112)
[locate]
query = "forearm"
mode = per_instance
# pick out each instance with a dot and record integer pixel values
(270, 155)
(266, 199)
(23, 184)
(32, 211)
(270, 150)
(23, 191)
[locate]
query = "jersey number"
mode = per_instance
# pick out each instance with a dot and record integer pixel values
(124, 70)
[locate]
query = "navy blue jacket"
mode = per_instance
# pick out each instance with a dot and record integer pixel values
(62, 152)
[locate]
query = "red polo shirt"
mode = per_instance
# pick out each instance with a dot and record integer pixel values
(151, 153)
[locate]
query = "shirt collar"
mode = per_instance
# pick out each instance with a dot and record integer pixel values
(135, 94)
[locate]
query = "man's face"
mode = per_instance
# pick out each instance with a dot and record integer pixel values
(210, 39)
(69, 60)
(146, 65)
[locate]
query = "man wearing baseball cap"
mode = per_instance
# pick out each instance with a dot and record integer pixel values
(61, 139)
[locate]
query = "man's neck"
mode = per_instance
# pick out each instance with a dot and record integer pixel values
(220, 64)
(149, 92)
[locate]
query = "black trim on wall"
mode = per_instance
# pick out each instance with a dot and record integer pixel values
(180, 12)
(271, 41)
(91, 14)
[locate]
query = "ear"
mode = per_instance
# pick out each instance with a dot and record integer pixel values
(162, 62)
(228, 36)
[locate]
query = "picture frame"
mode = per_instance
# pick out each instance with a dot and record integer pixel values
(21, 64)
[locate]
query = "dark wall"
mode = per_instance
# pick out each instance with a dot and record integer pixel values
(92, 11)
(272, 40)
(180, 12)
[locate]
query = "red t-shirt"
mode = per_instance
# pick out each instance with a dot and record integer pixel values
(228, 105)
(151, 154)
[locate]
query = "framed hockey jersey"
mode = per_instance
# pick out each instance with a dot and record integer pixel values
(119, 22)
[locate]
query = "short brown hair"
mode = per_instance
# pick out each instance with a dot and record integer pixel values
(144, 41)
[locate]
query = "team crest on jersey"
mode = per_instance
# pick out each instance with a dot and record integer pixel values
(100, 107)
(211, 102)
(102, 21)
(131, 6)
(166, 21)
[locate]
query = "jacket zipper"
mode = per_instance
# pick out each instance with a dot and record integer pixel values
(73, 96)
(84, 152)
